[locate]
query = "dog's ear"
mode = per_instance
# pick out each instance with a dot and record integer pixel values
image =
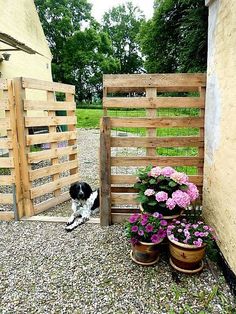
(73, 191)
(86, 189)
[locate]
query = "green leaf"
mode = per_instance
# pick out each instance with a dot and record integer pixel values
(183, 187)
(172, 183)
(152, 181)
(152, 203)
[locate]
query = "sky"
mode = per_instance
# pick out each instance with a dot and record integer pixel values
(101, 6)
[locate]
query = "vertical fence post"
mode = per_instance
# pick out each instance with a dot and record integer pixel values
(105, 171)
(151, 92)
(23, 149)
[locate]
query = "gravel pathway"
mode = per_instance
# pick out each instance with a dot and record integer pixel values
(46, 270)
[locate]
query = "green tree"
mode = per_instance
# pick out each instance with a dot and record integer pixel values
(122, 23)
(175, 39)
(81, 51)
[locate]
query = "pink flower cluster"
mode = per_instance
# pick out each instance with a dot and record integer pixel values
(194, 234)
(179, 177)
(155, 172)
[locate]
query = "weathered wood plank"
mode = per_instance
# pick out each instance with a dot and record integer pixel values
(181, 141)
(160, 161)
(5, 123)
(129, 179)
(6, 180)
(154, 80)
(117, 218)
(4, 105)
(48, 105)
(189, 122)
(153, 102)
(6, 215)
(5, 143)
(51, 153)
(41, 207)
(51, 170)
(52, 121)
(50, 137)
(47, 86)
(6, 162)
(58, 219)
(105, 172)
(161, 89)
(6, 198)
(123, 199)
(52, 186)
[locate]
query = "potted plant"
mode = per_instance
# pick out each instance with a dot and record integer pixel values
(188, 243)
(164, 190)
(145, 232)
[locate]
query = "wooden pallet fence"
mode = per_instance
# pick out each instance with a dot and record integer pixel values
(10, 196)
(41, 153)
(118, 198)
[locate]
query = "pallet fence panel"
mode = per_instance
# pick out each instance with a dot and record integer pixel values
(168, 111)
(48, 142)
(10, 197)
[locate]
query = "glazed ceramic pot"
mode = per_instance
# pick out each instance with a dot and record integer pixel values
(145, 253)
(186, 258)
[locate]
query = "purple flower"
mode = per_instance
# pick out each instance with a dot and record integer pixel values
(205, 227)
(186, 233)
(197, 233)
(201, 234)
(161, 196)
(161, 233)
(149, 228)
(198, 243)
(134, 229)
(133, 218)
(144, 222)
(163, 223)
(133, 240)
(156, 215)
(141, 232)
(195, 226)
(155, 238)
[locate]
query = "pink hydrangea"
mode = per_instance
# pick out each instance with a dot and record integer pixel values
(179, 177)
(167, 171)
(149, 192)
(192, 191)
(155, 172)
(170, 203)
(182, 199)
(161, 196)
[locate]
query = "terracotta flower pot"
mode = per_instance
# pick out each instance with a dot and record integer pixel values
(186, 258)
(144, 253)
(167, 214)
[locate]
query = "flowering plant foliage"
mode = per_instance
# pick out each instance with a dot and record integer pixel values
(146, 228)
(196, 234)
(164, 189)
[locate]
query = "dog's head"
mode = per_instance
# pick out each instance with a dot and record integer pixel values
(80, 191)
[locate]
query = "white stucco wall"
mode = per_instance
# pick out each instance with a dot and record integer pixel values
(219, 193)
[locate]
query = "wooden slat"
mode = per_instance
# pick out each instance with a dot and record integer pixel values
(129, 179)
(6, 180)
(189, 122)
(39, 208)
(52, 186)
(160, 161)
(4, 105)
(6, 198)
(185, 141)
(51, 153)
(6, 162)
(45, 121)
(105, 171)
(151, 102)
(3, 84)
(47, 86)
(6, 215)
(117, 218)
(48, 105)
(154, 80)
(123, 199)
(5, 123)
(50, 170)
(5, 143)
(161, 89)
(50, 137)
(58, 219)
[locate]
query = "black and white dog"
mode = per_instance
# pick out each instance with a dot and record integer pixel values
(85, 202)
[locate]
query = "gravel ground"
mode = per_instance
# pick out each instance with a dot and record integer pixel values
(46, 270)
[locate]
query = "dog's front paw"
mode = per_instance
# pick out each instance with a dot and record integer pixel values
(68, 228)
(70, 221)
